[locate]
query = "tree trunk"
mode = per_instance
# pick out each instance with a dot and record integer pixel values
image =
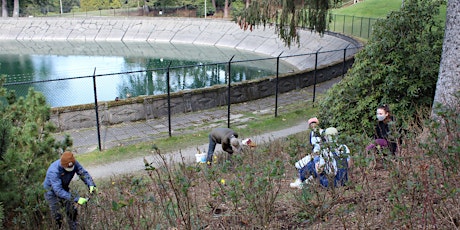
(226, 9)
(449, 72)
(16, 8)
(247, 3)
(214, 4)
(4, 9)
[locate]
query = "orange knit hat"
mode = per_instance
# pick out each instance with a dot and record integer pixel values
(67, 160)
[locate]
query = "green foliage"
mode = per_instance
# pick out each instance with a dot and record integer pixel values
(210, 10)
(90, 5)
(5, 136)
(287, 16)
(31, 148)
(238, 8)
(399, 67)
(2, 214)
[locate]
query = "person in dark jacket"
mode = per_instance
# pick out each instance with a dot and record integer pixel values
(383, 138)
(227, 138)
(57, 181)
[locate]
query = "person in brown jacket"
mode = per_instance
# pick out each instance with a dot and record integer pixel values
(227, 138)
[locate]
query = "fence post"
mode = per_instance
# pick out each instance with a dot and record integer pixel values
(369, 29)
(344, 59)
(316, 67)
(96, 107)
(335, 16)
(352, 24)
(277, 83)
(169, 99)
(361, 28)
(228, 91)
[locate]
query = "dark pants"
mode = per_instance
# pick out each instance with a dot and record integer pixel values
(309, 170)
(211, 148)
(55, 203)
(341, 178)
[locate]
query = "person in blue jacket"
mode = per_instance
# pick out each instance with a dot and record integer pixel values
(57, 181)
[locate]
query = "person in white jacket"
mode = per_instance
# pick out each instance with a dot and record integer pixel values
(315, 133)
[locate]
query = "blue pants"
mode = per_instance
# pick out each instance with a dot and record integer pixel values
(211, 148)
(341, 177)
(310, 170)
(55, 203)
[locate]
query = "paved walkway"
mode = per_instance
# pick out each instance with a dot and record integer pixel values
(129, 133)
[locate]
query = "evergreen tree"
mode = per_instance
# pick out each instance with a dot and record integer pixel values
(27, 150)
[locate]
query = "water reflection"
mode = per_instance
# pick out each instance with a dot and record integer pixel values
(144, 67)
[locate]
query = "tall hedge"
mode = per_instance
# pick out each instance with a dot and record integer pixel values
(399, 66)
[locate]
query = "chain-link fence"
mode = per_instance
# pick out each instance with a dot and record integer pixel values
(159, 102)
(352, 25)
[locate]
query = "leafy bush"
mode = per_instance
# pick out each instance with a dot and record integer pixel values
(399, 67)
(2, 215)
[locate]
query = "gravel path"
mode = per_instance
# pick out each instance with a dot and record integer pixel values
(137, 164)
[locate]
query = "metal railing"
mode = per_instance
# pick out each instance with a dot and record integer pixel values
(339, 56)
(352, 25)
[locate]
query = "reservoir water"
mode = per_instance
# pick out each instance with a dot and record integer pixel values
(63, 70)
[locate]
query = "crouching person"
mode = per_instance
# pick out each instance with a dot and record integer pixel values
(227, 138)
(311, 168)
(57, 181)
(332, 161)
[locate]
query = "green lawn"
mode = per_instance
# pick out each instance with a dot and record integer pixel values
(357, 19)
(370, 8)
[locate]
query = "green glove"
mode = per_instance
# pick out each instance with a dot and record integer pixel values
(92, 189)
(82, 201)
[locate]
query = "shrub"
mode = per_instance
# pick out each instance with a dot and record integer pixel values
(399, 66)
